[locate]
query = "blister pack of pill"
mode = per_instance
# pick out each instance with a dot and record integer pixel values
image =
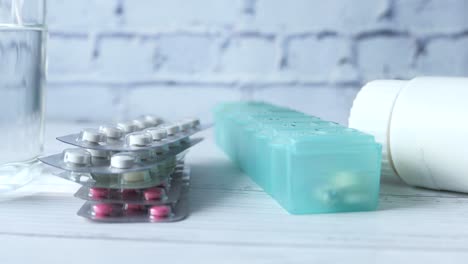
(130, 171)
(129, 180)
(135, 213)
(130, 137)
(82, 160)
(164, 193)
(166, 202)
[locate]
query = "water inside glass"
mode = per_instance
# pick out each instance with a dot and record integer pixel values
(22, 77)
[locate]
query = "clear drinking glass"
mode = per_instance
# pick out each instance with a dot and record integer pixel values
(22, 80)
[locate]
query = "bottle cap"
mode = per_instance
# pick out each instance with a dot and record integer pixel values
(371, 113)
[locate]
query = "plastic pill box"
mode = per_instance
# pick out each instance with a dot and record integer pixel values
(307, 164)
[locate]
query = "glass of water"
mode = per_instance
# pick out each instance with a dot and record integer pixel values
(22, 80)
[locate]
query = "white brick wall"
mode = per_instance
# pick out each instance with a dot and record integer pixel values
(123, 55)
(113, 59)
(316, 57)
(83, 15)
(387, 56)
(248, 55)
(69, 53)
(432, 16)
(445, 56)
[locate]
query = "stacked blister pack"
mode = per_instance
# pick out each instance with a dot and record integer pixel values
(307, 164)
(131, 171)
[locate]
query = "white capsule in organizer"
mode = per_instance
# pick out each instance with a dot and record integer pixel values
(111, 131)
(157, 133)
(123, 160)
(139, 139)
(127, 127)
(92, 135)
(171, 129)
(79, 157)
(343, 179)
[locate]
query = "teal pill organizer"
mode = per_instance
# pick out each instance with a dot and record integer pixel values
(307, 164)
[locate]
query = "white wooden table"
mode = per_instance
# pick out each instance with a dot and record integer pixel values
(232, 221)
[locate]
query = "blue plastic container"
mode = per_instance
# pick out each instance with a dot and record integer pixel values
(307, 164)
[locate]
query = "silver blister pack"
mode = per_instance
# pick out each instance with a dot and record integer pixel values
(132, 180)
(88, 161)
(135, 213)
(130, 171)
(131, 138)
(162, 194)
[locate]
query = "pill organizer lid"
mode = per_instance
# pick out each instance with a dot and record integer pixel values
(372, 112)
(307, 140)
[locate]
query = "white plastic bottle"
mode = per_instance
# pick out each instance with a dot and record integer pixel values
(423, 127)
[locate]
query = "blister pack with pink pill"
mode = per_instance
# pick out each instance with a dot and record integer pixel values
(166, 202)
(135, 213)
(136, 135)
(131, 171)
(165, 193)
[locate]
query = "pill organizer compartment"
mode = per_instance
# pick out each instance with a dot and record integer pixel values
(307, 164)
(323, 174)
